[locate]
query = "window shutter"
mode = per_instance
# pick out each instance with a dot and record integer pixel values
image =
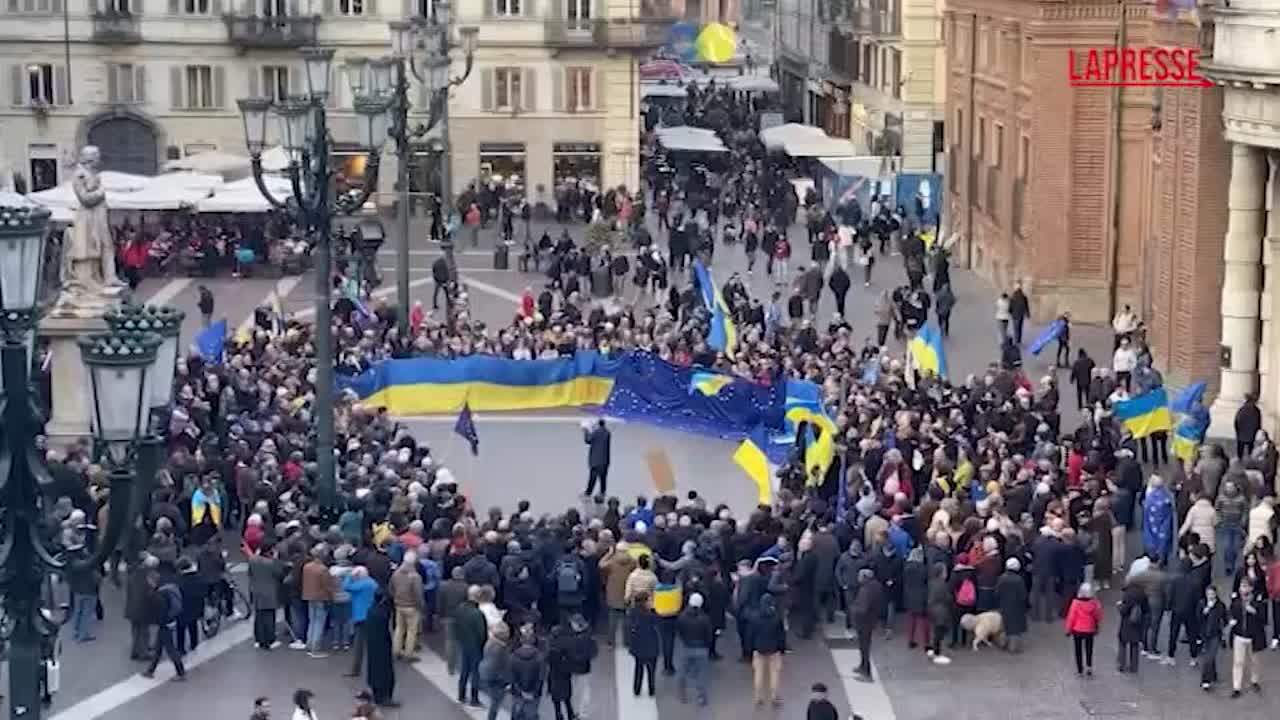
(558, 76)
(219, 85)
(60, 88)
(486, 89)
(173, 7)
(14, 6)
(558, 11)
(335, 87)
(19, 88)
(328, 7)
(297, 80)
(488, 7)
(215, 7)
(530, 90)
(595, 10)
(175, 87)
(599, 78)
(55, 7)
(28, 5)
(253, 82)
(140, 84)
(135, 7)
(371, 8)
(113, 83)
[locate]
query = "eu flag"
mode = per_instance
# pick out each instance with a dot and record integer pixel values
(466, 427)
(210, 342)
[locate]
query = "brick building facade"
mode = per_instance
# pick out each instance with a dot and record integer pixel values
(1040, 189)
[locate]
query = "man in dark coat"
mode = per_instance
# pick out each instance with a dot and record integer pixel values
(839, 283)
(1248, 423)
(1011, 599)
(598, 440)
(868, 606)
(1019, 309)
(826, 550)
(381, 671)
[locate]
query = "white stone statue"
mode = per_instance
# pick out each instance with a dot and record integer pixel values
(89, 280)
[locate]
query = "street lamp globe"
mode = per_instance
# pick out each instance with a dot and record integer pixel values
(167, 323)
(318, 62)
(402, 37)
(381, 71)
(121, 371)
(357, 74)
(469, 38)
(295, 124)
(371, 117)
(255, 112)
(22, 235)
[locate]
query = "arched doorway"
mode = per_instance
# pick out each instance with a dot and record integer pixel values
(127, 145)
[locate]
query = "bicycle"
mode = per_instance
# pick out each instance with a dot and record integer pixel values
(215, 606)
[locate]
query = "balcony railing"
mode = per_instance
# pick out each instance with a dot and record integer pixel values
(993, 192)
(1019, 192)
(616, 34)
(277, 32)
(880, 23)
(117, 27)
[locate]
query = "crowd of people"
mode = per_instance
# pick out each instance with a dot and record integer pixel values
(965, 511)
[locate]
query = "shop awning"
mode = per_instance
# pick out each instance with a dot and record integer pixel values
(213, 161)
(690, 139)
(662, 91)
(244, 201)
(753, 83)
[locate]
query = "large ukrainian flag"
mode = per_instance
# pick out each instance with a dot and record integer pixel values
(1145, 414)
(420, 386)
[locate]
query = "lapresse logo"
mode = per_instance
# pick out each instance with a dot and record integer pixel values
(1135, 67)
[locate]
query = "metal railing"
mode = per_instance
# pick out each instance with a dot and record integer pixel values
(117, 27)
(617, 33)
(281, 32)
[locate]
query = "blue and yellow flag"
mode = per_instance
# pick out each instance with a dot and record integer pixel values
(708, 383)
(723, 334)
(927, 352)
(1145, 414)
(750, 456)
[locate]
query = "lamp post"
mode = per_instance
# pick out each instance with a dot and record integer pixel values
(121, 366)
(304, 134)
(388, 77)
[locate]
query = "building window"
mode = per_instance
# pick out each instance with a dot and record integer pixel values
(507, 88)
(997, 146)
(275, 8)
(40, 83)
(1024, 157)
(118, 7)
(895, 73)
(579, 10)
(351, 7)
(199, 87)
(196, 7)
(579, 90)
(122, 84)
(426, 9)
(275, 82)
(506, 8)
(980, 146)
(958, 128)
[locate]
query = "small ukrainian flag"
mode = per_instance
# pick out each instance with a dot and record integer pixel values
(1145, 414)
(708, 383)
(751, 458)
(927, 352)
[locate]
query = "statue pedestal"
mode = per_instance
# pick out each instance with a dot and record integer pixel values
(72, 395)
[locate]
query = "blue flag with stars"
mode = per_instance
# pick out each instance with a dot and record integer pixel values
(466, 427)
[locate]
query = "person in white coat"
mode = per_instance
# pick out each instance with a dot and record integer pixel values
(1202, 520)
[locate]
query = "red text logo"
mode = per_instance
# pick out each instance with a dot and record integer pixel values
(1136, 67)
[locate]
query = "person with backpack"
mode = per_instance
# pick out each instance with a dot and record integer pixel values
(568, 579)
(165, 604)
(1135, 613)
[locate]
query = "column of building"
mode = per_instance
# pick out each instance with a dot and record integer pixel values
(1241, 283)
(1270, 384)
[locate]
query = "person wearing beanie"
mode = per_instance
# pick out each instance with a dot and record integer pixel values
(1011, 600)
(1084, 617)
(694, 628)
(820, 708)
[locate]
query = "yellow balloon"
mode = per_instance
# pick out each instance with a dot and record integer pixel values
(716, 43)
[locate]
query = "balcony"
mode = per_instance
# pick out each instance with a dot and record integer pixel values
(117, 28)
(614, 34)
(883, 24)
(1019, 192)
(271, 33)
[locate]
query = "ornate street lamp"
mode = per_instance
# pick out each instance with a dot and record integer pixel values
(119, 365)
(420, 48)
(304, 134)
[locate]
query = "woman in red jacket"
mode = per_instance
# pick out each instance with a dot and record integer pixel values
(1084, 617)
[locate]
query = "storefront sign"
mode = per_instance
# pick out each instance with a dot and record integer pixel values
(572, 148)
(1135, 67)
(501, 148)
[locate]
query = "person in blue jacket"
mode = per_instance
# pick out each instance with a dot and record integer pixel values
(362, 589)
(1158, 520)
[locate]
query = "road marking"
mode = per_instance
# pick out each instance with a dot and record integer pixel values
(280, 289)
(463, 253)
(867, 699)
(136, 686)
(432, 667)
(169, 291)
(630, 706)
(488, 289)
(468, 270)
